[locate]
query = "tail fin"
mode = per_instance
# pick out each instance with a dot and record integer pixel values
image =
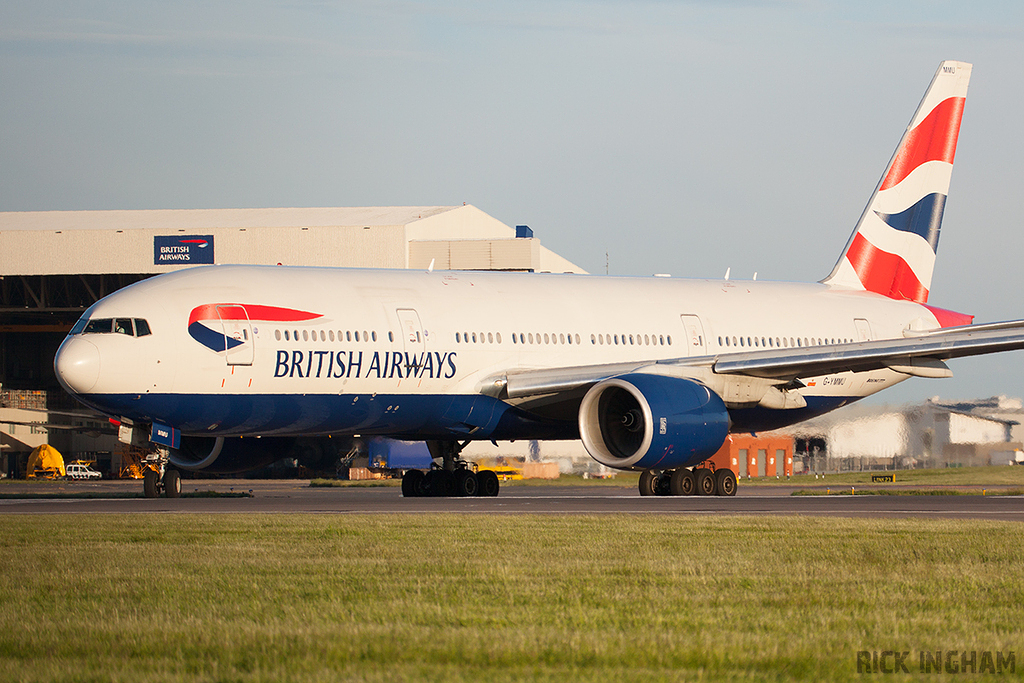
(892, 250)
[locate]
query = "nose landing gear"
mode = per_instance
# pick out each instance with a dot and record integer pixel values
(158, 478)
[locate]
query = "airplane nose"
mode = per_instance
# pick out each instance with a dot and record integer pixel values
(77, 365)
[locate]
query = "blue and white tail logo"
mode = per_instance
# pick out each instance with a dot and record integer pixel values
(892, 251)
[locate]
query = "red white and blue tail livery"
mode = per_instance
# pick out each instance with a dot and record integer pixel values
(892, 251)
(652, 374)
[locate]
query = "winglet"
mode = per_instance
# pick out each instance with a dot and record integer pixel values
(892, 250)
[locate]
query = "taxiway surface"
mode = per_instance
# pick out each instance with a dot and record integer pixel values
(299, 497)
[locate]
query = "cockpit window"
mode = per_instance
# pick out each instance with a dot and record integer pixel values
(133, 327)
(80, 325)
(99, 325)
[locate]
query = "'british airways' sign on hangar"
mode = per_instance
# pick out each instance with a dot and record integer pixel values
(181, 249)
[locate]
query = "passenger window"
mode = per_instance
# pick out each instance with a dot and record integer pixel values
(141, 328)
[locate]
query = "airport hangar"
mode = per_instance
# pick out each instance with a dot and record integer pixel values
(55, 264)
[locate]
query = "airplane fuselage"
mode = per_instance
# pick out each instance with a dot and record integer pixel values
(315, 351)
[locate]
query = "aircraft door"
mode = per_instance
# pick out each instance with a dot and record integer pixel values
(237, 334)
(413, 338)
(694, 335)
(863, 329)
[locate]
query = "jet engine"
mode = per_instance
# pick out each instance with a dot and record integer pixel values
(641, 421)
(228, 455)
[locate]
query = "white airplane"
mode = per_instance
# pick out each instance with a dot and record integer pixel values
(651, 373)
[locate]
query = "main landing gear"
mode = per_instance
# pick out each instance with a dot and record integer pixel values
(699, 481)
(454, 477)
(158, 478)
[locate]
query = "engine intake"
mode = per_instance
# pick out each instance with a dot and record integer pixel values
(641, 421)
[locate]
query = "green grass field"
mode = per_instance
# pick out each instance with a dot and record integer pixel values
(452, 597)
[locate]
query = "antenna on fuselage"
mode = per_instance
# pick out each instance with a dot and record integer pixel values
(430, 268)
(727, 270)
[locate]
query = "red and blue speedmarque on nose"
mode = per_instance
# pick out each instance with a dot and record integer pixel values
(214, 336)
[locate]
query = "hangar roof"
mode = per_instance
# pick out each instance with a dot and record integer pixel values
(203, 219)
(76, 243)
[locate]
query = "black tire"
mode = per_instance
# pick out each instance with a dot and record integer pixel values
(683, 482)
(444, 484)
(466, 483)
(434, 484)
(725, 482)
(172, 484)
(663, 485)
(487, 483)
(647, 478)
(705, 480)
(151, 484)
(412, 484)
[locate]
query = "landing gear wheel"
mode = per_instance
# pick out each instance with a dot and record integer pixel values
(466, 483)
(725, 482)
(444, 484)
(151, 484)
(430, 483)
(663, 485)
(487, 484)
(705, 480)
(647, 478)
(172, 484)
(412, 484)
(683, 483)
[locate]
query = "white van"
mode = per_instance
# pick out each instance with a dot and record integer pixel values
(75, 471)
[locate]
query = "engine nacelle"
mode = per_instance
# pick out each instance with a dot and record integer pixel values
(640, 421)
(228, 455)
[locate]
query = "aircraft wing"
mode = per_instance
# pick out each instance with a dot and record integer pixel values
(920, 354)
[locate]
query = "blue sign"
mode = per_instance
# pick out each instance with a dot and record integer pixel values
(182, 250)
(165, 436)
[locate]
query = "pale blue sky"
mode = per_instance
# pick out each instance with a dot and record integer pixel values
(678, 137)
